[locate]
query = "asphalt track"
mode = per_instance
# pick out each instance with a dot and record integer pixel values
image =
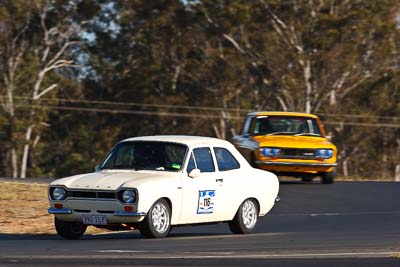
(344, 224)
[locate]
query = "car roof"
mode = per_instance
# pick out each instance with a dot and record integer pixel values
(182, 139)
(281, 113)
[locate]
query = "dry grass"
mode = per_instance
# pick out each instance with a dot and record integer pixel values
(24, 209)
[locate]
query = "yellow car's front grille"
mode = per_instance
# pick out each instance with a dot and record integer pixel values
(297, 153)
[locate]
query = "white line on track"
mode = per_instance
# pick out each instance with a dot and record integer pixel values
(110, 254)
(182, 236)
(126, 251)
(338, 213)
(233, 255)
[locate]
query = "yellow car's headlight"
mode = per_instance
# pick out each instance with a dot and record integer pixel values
(270, 151)
(324, 153)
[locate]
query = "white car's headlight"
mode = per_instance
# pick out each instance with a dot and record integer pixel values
(129, 196)
(59, 193)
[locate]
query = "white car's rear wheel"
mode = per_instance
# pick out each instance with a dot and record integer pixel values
(246, 218)
(158, 221)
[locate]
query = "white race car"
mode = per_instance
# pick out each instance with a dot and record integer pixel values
(155, 182)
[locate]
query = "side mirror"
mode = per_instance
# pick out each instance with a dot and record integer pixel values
(194, 173)
(328, 137)
(97, 168)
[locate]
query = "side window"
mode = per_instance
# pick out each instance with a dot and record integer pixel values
(246, 125)
(225, 160)
(204, 159)
(252, 125)
(191, 165)
(315, 127)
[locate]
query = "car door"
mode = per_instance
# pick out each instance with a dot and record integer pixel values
(231, 183)
(200, 194)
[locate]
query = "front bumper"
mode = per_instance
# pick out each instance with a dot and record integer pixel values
(59, 211)
(74, 209)
(116, 213)
(297, 164)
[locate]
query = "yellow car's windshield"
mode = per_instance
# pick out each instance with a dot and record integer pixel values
(286, 125)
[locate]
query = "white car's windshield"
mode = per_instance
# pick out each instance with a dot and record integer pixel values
(282, 125)
(146, 155)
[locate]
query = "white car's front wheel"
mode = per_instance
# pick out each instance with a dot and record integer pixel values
(158, 221)
(69, 230)
(246, 218)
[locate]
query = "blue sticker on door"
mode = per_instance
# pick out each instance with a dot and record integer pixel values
(206, 202)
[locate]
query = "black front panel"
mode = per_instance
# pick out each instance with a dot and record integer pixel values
(92, 194)
(297, 153)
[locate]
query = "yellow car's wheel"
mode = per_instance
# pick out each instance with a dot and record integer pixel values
(328, 177)
(307, 179)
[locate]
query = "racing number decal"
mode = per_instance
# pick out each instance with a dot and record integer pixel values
(206, 202)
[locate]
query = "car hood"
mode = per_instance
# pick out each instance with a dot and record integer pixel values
(110, 180)
(293, 141)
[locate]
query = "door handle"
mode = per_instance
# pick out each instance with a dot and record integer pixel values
(219, 180)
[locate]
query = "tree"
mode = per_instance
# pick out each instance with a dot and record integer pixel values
(41, 52)
(78, 76)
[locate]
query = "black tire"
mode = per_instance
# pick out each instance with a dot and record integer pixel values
(239, 225)
(328, 177)
(69, 230)
(253, 161)
(148, 227)
(307, 179)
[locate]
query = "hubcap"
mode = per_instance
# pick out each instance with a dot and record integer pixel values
(249, 214)
(76, 227)
(160, 218)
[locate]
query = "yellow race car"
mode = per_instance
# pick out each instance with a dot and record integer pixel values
(289, 144)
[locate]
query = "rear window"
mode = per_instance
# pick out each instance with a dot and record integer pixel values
(225, 160)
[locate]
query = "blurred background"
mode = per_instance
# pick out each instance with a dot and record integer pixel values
(77, 76)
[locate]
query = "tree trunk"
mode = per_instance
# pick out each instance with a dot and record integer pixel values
(332, 98)
(341, 158)
(397, 170)
(220, 132)
(345, 166)
(14, 163)
(24, 163)
(216, 131)
(385, 158)
(308, 83)
(397, 173)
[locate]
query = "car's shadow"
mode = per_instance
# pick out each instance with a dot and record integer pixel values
(316, 181)
(111, 235)
(28, 237)
(104, 236)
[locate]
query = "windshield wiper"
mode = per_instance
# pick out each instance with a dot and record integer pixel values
(278, 133)
(310, 134)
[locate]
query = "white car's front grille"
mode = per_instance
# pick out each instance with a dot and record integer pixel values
(92, 194)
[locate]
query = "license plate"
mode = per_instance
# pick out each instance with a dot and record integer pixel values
(94, 219)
